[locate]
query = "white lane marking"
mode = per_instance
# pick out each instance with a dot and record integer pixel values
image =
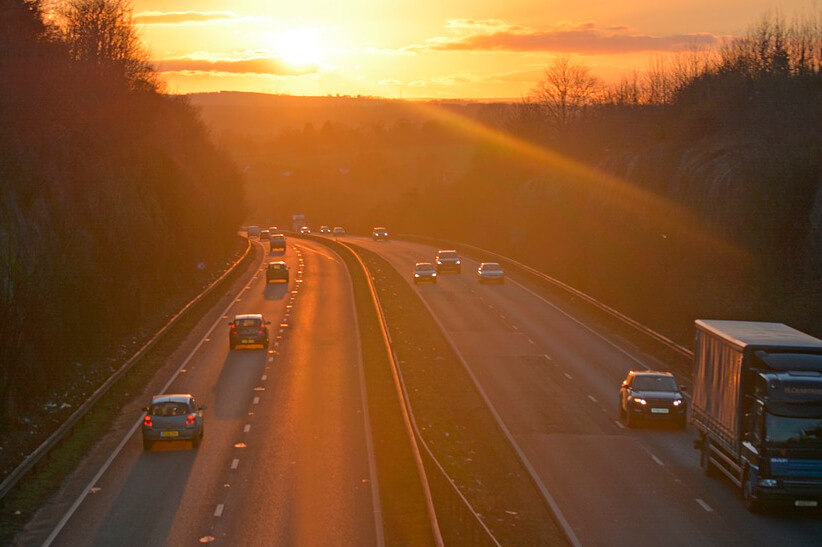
(264, 377)
(246, 428)
(219, 511)
(515, 327)
(620, 424)
(235, 463)
(657, 461)
(502, 316)
(547, 356)
(594, 399)
(256, 400)
(532, 342)
(704, 505)
(271, 359)
(569, 376)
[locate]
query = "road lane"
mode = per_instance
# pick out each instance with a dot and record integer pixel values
(554, 382)
(303, 393)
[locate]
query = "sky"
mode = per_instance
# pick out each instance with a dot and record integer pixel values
(433, 49)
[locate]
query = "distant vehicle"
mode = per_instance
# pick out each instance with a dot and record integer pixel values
(173, 417)
(264, 234)
(448, 260)
(276, 242)
(274, 230)
(276, 271)
(490, 272)
(305, 230)
(425, 272)
(339, 231)
(297, 222)
(325, 229)
(253, 231)
(757, 404)
(248, 329)
(651, 395)
(380, 233)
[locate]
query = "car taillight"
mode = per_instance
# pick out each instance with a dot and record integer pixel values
(190, 419)
(233, 328)
(147, 421)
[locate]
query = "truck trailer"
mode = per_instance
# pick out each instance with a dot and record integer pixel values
(757, 404)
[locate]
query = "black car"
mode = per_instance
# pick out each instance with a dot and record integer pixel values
(380, 233)
(277, 243)
(652, 396)
(249, 330)
(276, 271)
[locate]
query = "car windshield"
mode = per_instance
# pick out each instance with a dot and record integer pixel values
(424, 267)
(782, 429)
(655, 383)
(169, 408)
(449, 254)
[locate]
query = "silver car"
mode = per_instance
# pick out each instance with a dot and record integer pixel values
(173, 417)
(490, 272)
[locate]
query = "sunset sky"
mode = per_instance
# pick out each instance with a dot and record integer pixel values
(423, 48)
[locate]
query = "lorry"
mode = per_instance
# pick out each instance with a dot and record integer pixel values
(298, 221)
(757, 405)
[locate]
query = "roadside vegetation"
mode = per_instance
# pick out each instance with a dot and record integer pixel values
(116, 208)
(688, 190)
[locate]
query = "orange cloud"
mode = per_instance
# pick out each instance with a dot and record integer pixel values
(182, 17)
(258, 65)
(583, 38)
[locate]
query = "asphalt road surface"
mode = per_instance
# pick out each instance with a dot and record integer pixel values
(554, 382)
(286, 458)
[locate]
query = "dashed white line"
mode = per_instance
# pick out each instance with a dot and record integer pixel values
(704, 505)
(235, 463)
(547, 356)
(264, 377)
(532, 342)
(219, 511)
(569, 376)
(246, 428)
(515, 327)
(657, 461)
(619, 424)
(256, 400)
(594, 399)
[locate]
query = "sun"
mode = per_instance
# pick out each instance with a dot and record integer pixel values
(299, 46)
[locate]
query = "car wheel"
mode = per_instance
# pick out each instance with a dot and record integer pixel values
(147, 445)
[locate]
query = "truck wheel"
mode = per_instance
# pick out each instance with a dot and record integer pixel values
(708, 468)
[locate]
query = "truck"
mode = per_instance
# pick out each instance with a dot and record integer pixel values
(757, 405)
(298, 221)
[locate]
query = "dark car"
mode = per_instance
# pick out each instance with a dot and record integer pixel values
(276, 271)
(173, 417)
(648, 395)
(425, 272)
(380, 233)
(265, 234)
(448, 260)
(277, 242)
(250, 330)
(339, 231)
(325, 229)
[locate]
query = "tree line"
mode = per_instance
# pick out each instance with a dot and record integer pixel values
(115, 206)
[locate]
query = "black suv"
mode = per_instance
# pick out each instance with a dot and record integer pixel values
(248, 329)
(651, 395)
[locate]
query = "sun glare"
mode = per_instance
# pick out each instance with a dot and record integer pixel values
(298, 47)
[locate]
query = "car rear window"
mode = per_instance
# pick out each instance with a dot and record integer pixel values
(248, 322)
(276, 266)
(169, 409)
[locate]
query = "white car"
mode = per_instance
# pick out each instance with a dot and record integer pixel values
(490, 272)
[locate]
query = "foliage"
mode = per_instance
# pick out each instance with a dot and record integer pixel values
(112, 196)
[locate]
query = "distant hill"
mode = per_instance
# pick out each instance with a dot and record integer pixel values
(260, 113)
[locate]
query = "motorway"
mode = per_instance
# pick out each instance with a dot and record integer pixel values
(287, 457)
(554, 383)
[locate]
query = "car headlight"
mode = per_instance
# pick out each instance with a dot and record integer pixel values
(638, 401)
(433, 274)
(767, 483)
(458, 261)
(677, 402)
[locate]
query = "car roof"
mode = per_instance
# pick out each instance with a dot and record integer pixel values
(248, 316)
(171, 398)
(423, 264)
(489, 264)
(277, 262)
(650, 373)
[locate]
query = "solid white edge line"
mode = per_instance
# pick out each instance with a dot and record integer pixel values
(63, 521)
(549, 499)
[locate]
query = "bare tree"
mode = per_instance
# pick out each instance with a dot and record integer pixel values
(101, 33)
(567, 89)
